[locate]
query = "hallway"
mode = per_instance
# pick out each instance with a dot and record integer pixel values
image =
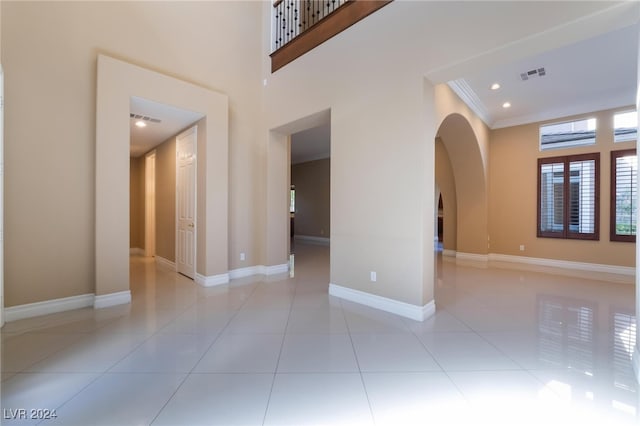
(505, 347)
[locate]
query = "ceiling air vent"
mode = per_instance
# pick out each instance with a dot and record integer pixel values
(537, 72)
(134, 116)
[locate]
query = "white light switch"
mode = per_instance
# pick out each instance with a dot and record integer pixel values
(373, 276)
(242, 257)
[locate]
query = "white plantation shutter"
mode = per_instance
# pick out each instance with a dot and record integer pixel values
(568, 197)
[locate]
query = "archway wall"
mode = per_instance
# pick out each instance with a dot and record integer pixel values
(466, 140)
(445, 180)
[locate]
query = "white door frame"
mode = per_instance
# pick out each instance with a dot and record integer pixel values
(150, 204)
(192, 130)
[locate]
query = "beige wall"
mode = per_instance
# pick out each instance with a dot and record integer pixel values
(166, 200)
(382, 156)
(137, 202)
(447, 185)
(513, 196)
(56, 81)
(312, 181)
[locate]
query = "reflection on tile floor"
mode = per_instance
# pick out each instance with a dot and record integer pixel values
(505, 347)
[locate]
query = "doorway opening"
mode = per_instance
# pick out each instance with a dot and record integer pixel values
(159, 197)
(283, 145)
(118, 83)
(310, 175)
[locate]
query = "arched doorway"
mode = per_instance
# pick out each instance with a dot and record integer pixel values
(461, 177)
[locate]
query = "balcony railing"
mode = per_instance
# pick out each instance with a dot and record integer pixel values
(301, 25)
(293, 17)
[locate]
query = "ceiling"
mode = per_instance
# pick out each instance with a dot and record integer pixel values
(311, 144)
(590, 75)
(171, 121)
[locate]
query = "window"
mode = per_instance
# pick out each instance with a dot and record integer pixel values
(292, 199)
(569, 134)
(624, 195)
(625, 126)
(568, 197)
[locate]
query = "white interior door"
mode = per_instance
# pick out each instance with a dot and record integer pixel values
(186, 202)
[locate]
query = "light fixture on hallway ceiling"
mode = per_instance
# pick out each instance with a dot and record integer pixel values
(140, 118)
(495, 86)
(506, 105)
(141, 123)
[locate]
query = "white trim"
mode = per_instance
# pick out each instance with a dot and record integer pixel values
(212, 280)
(136, 251)
(112, 299)
(417, 313)
(564, 264)
(258, 270)
(448, 252)
(166, 263)
(47, 307)
(635, 361)
(276, 269)
(472, 257)
(246, 272)
(571, 110)
(313, 240)
(461, 88)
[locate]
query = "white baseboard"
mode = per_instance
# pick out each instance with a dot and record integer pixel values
(472, 257)
(258, 270)
(47, 307)
(276, 269)
(136, 251)
(166, 263)
(212, 280)
(629, 271)
(324, 241)
(246, 272)
(112, 299)
(414, 312)
(564, 264)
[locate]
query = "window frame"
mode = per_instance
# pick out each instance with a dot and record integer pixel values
(624, 139)
(612, 215)
(553, 146)
(566, 233)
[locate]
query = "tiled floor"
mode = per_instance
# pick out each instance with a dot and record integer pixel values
(505, 347)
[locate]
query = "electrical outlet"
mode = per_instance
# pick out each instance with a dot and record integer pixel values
(242, 256)
(374, 276)
(521, 247)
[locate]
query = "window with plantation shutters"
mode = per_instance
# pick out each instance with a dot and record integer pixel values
(568, 197)
(624, 195)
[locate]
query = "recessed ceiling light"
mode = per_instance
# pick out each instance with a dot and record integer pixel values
(506, 105)
(141, 123)
(495, 86)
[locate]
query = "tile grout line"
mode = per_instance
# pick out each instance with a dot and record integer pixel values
(355, 355)
(275, 372)
(204, 353)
